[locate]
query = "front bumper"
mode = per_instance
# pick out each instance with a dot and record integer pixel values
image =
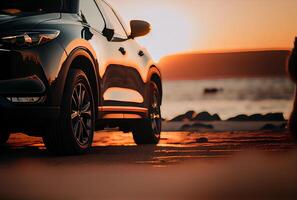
(25, 75)
(18, 115)
(9, 112)
(23, 118)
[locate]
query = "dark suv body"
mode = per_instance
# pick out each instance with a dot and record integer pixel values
(70, 66)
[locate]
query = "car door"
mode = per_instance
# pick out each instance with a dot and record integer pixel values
(111, 55)
(121, 81)
(139, 62)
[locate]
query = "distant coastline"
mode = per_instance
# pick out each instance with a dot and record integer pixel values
(218, 65)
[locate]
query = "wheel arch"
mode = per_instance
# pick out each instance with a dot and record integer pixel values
(81, 58)
(155, 76)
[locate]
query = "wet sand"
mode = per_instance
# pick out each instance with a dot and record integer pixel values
(231, 165)
(175, 147)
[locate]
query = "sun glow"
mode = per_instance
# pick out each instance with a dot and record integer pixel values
(200, 25)
(171, 29)
(170, 35)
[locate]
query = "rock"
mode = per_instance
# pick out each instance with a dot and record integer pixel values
(212, 90)
(259, 117)
(205, 116)
(273, 127)
(187, 116)
(239, 118)
(202, 140)
(256, 117)
(216, 117)
(274, 117)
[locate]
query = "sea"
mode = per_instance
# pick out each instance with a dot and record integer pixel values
(228, 97)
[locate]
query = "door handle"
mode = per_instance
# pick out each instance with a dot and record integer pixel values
(122, 50)
(141, 53)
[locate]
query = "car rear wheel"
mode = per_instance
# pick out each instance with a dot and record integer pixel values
(148, 131)
(73, 132)
(4, 136)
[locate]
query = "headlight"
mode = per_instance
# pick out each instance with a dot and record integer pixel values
(29, 38)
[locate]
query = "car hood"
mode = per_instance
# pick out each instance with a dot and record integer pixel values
(10, 23)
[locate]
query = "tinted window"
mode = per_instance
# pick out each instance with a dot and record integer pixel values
(122, 21)
(92, 14)
(113, 20)
(14, 7)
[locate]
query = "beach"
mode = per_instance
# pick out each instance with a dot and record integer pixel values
(185, 165)
(217, 143)
(216, 80)
(220, 140)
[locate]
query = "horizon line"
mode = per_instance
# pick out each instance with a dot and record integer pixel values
(227, 51)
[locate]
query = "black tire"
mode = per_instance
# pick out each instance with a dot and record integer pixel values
(72, 133)
(148, 131)
(4, 136)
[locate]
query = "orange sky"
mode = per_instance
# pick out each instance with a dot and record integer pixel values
(208, 25)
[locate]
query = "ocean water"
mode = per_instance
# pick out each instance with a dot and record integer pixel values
(236, 96)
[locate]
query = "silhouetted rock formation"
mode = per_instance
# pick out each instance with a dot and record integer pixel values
(212, 90)
(273, 127)
(239, 118)
(274, 117)
(192, 116)
(256, 117)
(205, 116)
(292, 70)
(187, 116)
(259, 117)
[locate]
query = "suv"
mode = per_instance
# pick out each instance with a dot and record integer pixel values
(70, 67)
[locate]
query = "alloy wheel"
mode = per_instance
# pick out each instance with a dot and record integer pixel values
(155, 114)
(81, 115)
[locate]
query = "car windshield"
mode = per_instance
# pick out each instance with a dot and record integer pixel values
(15, 7)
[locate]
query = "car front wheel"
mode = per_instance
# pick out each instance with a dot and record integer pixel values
(73, 132)
(148, 131)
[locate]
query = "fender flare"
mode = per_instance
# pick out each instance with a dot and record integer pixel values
(59, 87)
(154, 70)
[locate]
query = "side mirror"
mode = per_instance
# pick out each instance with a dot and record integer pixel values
(139, 28)
(108, 33)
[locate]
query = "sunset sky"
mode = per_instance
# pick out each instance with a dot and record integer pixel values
(213, 25)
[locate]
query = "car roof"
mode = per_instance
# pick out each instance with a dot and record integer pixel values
(70, 6)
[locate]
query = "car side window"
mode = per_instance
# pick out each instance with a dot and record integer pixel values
(113, 21)
(91, 12)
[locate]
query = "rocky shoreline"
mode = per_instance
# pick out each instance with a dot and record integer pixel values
(206, 116)
(206, 122)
